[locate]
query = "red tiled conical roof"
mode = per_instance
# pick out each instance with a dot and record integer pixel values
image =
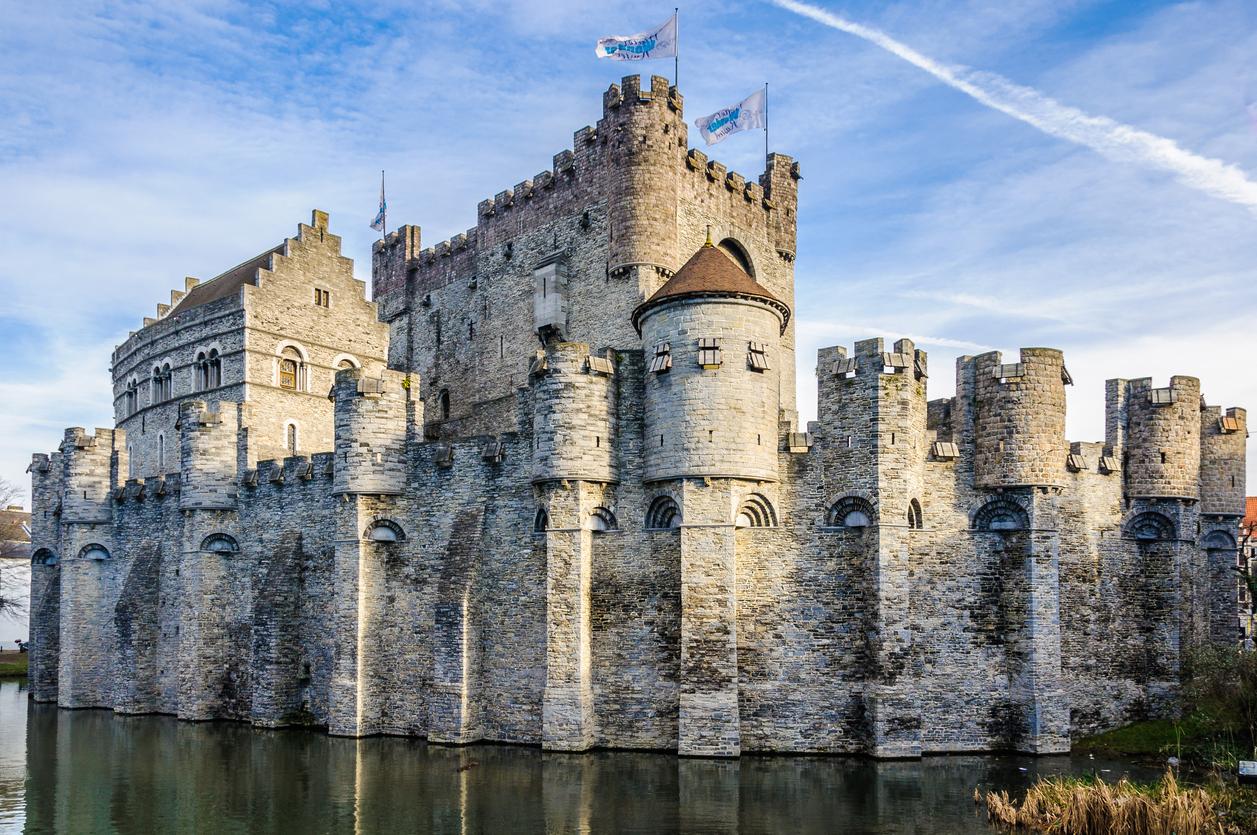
(710, 272)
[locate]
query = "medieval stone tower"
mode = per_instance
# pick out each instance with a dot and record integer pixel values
(575, 508)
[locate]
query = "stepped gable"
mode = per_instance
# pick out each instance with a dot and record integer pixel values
(227, 284)
(710, 272)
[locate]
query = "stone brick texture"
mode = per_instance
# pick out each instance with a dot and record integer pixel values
(459, 548)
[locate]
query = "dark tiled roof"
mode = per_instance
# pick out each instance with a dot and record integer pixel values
(227, 284)
(710, 272)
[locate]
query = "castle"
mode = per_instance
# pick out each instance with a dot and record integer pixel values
(549, 487)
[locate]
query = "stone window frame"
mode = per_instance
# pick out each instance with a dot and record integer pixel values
(916, 519)
(757, 511)
(338, 362)
(1000, 515)
(663, 514)
(207, 367)
(291, 439)
(161, 453)
(301, 373)
(1150, 526)
(842, 513)
(93, 548)
(161, 388)
(322, 298)
(374, 532)
(220, 543)
(541, 521)
(602, 520)
(1219, 541)
(44, 556)
(131, 396)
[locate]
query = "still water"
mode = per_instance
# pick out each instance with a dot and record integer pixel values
(92, 771)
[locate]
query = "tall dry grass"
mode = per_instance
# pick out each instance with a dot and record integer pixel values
(1070, 806)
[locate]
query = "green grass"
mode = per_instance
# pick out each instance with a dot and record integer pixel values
(1157, 736)
(13, 664)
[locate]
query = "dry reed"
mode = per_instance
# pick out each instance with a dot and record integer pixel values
(1074, 807)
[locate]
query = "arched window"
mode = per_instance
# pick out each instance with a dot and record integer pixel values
(384, 530)
(94, 552)
(1219, 541)
(915, 520)
(602, 519)
(43, 557)
(541, 522)
(200, 372)
(850, 512)
(290, 438)
(161, 454)
(738, 253)
(663, 514)
(346, 363)
(443, 404)
(756, 512)
(215, 369)
(1001, 515)
(130, 399)
(1150, 526)
(155, 386)
(130, 461)
(220, 543)
(167, 387)
(291, 370)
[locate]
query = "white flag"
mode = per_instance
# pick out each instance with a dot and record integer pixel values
(660, 42)
(746, 114)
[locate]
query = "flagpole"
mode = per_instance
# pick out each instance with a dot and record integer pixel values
(383, 208)
(676, 52)
(765, 125)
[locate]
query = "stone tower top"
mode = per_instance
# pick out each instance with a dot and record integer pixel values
(710, 272)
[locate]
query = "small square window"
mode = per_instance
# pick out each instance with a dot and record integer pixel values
(661, 363)
(322, 298)
(709, 353)
(757, 356)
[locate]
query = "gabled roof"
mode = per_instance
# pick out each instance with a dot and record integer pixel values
(227, 284)
(710, 272)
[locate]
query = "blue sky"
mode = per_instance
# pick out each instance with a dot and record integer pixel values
(140, 143)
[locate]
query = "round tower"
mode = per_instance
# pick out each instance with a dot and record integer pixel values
(574, 424)
(711, 337)
(1222, 439)
(646, 142)
(1019, 422)
(1163, 439)
(371, 416)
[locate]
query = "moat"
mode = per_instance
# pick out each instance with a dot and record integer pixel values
(95, 771)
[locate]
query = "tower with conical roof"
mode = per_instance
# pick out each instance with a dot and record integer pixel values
(712, 337)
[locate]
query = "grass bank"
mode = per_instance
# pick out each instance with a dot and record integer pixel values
(1217, 727)
(13, 664)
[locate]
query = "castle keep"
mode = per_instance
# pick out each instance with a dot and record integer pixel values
(549, 486)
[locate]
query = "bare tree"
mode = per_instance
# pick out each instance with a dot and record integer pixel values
(12, 598)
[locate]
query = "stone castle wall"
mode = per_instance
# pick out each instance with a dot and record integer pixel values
(905, 577)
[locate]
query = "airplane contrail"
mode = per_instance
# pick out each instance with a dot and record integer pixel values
(1108, 137)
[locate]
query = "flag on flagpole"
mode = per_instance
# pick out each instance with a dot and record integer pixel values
(381, 220)
(749, 113)
(660, 42)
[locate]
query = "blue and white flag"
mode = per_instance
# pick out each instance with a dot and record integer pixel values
(749, 113)
(380, 218)
(660, 42)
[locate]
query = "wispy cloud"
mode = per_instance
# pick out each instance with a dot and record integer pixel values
(1106, 136)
